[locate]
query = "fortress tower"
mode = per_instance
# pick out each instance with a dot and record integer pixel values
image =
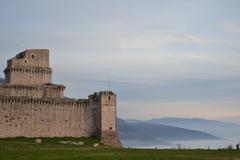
(32, 106)
(29, 74)
(29, 67)
(108, 117)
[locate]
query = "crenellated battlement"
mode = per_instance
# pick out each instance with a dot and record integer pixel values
(30, 70)
(44, 101)
(18, 86)
(28, 75)
(35, 91)
(106, 93)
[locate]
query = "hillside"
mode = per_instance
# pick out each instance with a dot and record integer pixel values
(144, 132)
(217, 128)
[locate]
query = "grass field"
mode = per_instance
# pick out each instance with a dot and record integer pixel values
(51, 149)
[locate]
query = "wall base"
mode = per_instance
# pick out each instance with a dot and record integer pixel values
(111, 138)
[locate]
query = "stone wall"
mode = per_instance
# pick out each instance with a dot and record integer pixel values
(34, 91)
(53, 91)
(60, 117)
(29, 67)
(28, 75)
(20, 90)
(31, 58)
(31, 117)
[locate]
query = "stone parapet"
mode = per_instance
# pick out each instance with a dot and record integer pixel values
(28, 75)
(46, 117)
(35, 91)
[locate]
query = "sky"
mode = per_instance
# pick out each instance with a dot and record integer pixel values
(165, 58)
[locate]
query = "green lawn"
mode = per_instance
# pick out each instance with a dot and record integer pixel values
(50, 149)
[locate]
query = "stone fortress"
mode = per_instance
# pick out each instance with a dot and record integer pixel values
(32, 106)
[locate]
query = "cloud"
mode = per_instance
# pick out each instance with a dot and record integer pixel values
(232, 26)
(148, 110)
(193, 38)
(133, 40)
(157, 53)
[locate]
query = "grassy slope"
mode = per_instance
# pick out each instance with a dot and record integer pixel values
(50, 149)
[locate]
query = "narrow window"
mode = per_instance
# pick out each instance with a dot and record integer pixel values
(109, 98)
(110, 128)
(33, 56)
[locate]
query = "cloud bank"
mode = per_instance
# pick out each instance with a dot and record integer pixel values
(164, 58)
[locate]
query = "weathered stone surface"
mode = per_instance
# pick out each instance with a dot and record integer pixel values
(29, 67)
(31, 106)
(32, 90)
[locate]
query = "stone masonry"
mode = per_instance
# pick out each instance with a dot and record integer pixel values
(32, 106)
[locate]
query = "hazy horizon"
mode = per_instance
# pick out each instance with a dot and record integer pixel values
(165, 58)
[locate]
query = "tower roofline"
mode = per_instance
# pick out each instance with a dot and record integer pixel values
(37, 51)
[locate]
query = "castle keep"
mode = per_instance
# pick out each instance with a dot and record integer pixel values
(32, 106)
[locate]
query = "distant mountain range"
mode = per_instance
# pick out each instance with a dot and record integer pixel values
(233, 119)
(1, 80)
(217, 128)
(148, 133)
